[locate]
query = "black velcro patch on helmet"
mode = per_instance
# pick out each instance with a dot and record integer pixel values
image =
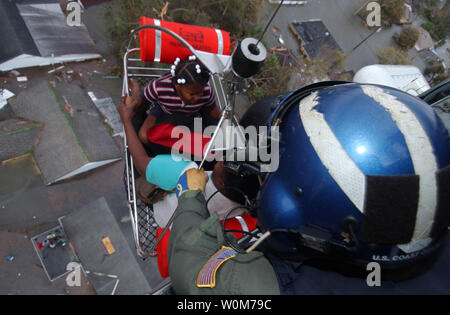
(442, 217)
(390, 209)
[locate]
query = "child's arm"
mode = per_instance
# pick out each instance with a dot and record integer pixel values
(211, 108)
(214, 112)
(148, 123)
(137, 151)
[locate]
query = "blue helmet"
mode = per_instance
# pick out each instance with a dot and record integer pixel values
(363, 176)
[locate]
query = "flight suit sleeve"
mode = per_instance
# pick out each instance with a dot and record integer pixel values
(195, 237)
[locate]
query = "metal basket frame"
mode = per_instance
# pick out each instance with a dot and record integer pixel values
(144, 229)
(143, 223)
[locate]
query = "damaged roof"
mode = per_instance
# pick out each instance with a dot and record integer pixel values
(314, 36)
(16, 38)
(37, 34)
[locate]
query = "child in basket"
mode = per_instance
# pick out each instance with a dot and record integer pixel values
(177, 96)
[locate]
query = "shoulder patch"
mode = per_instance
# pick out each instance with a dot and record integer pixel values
(207, 276)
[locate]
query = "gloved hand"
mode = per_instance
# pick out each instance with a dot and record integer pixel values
(192, 179)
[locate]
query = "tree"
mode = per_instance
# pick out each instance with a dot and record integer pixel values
(335, 59)
(407, 37)
(391, 11)
(436, 73)
(239, 18)
(272, 79)
(393, 56)
(442, 21)
(438, 20)
(429, 27)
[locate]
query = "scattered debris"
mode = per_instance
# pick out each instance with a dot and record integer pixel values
(275, 30)
(54, 70)
(15, 73)
(10, 257)
(285, 56)
(53, 253)
(108, 245)
(67, 106)
(125, 219)
(108, 109)
(101, 274)
(4, 96)
(291, 2)
(22, 79)
(92, 96)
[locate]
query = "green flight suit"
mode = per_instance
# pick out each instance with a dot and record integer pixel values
(196, 236)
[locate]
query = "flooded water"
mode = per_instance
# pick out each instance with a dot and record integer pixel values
(28, 206)
(21, 194)
(16, 176)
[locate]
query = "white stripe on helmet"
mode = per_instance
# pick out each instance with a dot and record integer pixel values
(330, 151)
(423, 159)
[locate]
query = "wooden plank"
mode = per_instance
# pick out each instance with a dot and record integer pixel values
(108, 245)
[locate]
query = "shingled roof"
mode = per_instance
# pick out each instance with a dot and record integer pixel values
(36, 33)
(314, 36)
